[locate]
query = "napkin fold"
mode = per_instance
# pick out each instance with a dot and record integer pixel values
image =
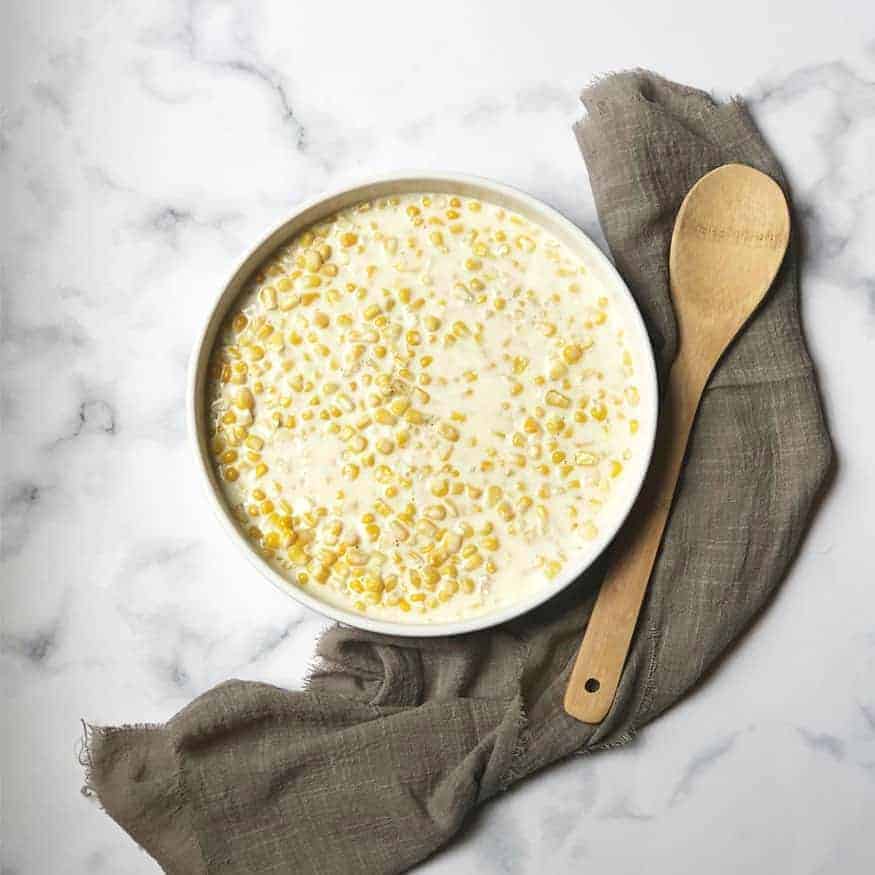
(376, 764)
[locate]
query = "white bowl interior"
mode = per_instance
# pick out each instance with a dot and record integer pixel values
(486, 190)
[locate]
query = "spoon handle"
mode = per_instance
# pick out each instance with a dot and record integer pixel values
(596, 673)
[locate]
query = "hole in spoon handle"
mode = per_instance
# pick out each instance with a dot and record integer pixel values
(589, 696)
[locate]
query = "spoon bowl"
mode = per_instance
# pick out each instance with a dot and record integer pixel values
(729, 240)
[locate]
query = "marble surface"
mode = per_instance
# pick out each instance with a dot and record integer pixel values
(144, 147)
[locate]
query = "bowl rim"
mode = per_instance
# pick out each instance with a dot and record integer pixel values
(313, 210)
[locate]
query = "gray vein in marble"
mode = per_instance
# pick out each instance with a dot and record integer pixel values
(833, 76)
(19, 505)
(538, 98)
(95, 861)
(833, 207)
(502, 846)
(167, 222)
(326, 140)
(624, 809)
(175, 560)
(868, 715)
(484, 111)
(176, 673)
(557, 823)
(152, 554)
(48, 96)
(272, 78)
(823, 742)
(169, 225)
(272, 641)
(143, 73)
(65, 336)
(245, 61)
(416, 130)
(92, 417)
(579, 850)
(699, 764)
(164, 222)
(74, 293)
(99, 178)
(55, 91)
(36, 648)
(544, 97)
(7, 126)
(49, 192)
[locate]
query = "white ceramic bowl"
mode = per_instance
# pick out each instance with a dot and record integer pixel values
(449, 183)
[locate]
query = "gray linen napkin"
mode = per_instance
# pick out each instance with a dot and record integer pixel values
(378, 762)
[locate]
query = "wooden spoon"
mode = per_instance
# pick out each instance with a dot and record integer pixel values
(729, 240)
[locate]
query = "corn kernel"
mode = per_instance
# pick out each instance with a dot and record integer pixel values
(555, 424)
(598, 412)
(572, 353)
(450, 432)
(244, 400)
(557, 399)
(472, 562)
(520, 363)
(358, 443)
